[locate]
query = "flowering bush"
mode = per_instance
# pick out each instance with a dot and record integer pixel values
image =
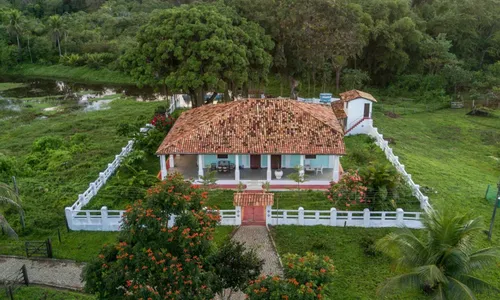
(349, 190)
(309, 268)
(307, 277)
(163, 123)
(153, 260)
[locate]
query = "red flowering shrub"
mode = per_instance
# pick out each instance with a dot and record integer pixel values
(153, 260)
(162, 122)
(349, 190)
(307, 277)
(309, 268)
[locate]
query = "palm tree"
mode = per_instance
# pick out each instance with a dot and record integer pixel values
(56, 28)
(8, 197)
(442, 263)
(14, 18)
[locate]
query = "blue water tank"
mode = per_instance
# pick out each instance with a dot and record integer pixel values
(325, 98)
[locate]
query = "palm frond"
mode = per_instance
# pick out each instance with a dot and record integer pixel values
(483, 258)
(431, 274)
(439, 295)
(405, 281)
(457, 290)
(405, 246)
(478, 285)
(5, 227)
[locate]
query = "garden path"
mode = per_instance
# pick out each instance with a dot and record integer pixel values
(257, 237)
(51, 272)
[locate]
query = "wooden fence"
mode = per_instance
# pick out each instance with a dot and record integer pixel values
(12, 282)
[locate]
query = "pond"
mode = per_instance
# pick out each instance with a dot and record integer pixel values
(50, 96)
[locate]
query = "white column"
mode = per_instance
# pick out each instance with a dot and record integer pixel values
(336, 168)
(171, 160)
(200, 165)
(236, 167)
(163, 166)
(104, 219)
(269, 176)
(301, 172)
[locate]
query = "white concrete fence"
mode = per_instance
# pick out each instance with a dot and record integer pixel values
(384, 145)
(336, 218)
(110, 220)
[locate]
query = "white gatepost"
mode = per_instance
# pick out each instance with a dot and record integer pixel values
(171, 160)
(236, 167)
(301, 171)
(336, 168)
(102, 176)
(301, 216)
(269, 173)
(69, 217)
(200, 166)
(269, 215)
(104, 219)
(163, 165)
(237, 215)
(333, 216)
(399, 217)
(366, 217)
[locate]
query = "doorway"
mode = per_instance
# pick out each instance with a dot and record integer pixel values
(276, 161)
(255, 161)
(366, 113)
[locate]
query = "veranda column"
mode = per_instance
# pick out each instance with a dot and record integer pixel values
(236, 167)
(171, 158)
(336, 168)
(269, 173)
(163, 167)
(301, 171)
(200, 166)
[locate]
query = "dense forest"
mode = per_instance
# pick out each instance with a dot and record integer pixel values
(437, 49)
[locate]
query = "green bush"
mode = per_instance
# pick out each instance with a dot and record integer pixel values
(367, 244)
(309, 268)
(47, 143)
(7, 167)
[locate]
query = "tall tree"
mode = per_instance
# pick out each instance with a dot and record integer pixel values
(198, 49)
(442, 263)
(56, 27)
(14, 25)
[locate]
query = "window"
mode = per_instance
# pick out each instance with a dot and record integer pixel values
(222, 156)
(310, 156)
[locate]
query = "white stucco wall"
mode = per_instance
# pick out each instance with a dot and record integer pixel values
(355, 111)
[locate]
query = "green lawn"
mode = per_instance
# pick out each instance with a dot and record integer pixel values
(39, 293)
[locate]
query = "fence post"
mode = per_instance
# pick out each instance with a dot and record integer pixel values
(366, 217)
(269, 215)
(25, 275)
(424, 203)
(104, 219)
(10, 293)
(69, 217)
(102, 176)
(399, 217)
(301, 215)
(49, 248)
(238, 215)
(81, 199)
(93, 188)
(333, 216)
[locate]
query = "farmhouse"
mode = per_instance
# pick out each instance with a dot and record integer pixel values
(262, 140)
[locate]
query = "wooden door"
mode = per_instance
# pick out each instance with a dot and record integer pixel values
(275, 161)
(255, 161)
(254, 215)
(367, 110)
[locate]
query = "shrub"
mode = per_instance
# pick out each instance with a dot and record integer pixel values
(309, 268)
(47, 143)
(368, 245)
(72, 60)
(349, 190)
(7, 167)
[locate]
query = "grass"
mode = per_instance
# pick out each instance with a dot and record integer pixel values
(38, 292)
(357, 274)
(10, 85)
(78, 74)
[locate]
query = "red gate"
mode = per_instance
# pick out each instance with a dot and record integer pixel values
(254, 215)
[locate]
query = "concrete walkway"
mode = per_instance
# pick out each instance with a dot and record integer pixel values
(52, 272)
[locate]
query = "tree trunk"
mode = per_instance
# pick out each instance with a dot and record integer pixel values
(18, 43)
(59, 46)
(245, 90)
(211, 99)
(293, 85)
(337, 79)
(29, 49)
(226, 93)
(281, 85)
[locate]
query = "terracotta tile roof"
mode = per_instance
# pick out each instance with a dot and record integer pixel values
(260, 126)
(338, 109)
(353, 94)
(253, 199)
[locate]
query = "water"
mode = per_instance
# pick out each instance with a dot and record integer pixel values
(58, 93)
